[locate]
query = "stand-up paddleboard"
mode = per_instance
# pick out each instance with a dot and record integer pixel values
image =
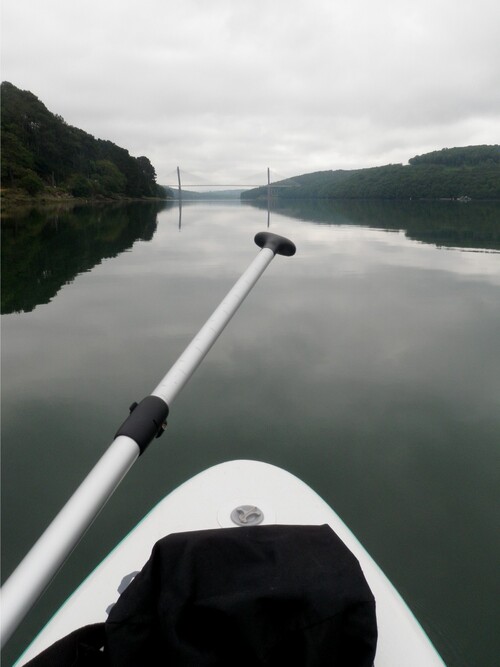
(229, 495)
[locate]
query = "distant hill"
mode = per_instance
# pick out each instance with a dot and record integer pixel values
(189, 195)
(450, 173)
(40, 150)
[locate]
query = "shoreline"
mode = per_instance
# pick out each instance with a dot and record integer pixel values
(13, 199)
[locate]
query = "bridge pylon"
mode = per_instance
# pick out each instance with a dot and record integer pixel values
(180, 188)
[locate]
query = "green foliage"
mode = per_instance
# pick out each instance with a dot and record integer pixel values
(469, 156)
(106, 178)
(31, 183)
(35, 139)
(164, 192)
(16, 159)
(79, 186)
(473, 171)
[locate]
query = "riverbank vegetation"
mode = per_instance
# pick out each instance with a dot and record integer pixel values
(451, 173)
(44, 157)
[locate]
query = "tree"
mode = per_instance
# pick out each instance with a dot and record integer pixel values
(108, 178)
(31, 183)
(79, 186)
(34, 138)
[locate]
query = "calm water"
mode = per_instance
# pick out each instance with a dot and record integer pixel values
(368, 365)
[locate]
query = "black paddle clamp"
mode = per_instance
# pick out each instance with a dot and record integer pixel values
(147, 420)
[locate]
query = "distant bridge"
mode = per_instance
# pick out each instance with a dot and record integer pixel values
(290, 184)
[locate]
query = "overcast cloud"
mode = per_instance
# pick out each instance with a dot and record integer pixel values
(226, 88)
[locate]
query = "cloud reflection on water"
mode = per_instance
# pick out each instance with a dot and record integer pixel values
(368, 364)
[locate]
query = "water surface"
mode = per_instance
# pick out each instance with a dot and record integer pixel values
(368, 365)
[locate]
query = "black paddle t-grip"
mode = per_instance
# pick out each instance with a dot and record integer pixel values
(145, 422)
(278, 244)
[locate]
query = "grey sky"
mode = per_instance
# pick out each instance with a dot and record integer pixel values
(226, 88)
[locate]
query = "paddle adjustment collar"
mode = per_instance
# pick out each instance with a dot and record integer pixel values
(147, 420)
(278, 244)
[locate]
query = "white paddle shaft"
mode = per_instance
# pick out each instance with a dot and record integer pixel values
(39, 566)
(36, 570)
(195, 352)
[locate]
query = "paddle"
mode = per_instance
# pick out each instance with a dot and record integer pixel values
(145, 422)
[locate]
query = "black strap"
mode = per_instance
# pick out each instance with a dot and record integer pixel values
(81, 648)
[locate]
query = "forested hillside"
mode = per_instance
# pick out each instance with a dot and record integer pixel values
(451, 173)
(468, 156)
(40, 150)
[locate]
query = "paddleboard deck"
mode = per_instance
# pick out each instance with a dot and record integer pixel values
(218, 497)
